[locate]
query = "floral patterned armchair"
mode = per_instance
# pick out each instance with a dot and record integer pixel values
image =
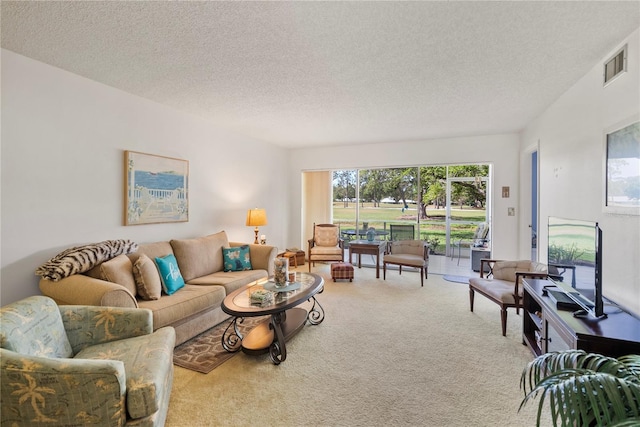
(82, 365)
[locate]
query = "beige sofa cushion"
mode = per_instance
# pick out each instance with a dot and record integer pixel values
(147, 278)
(172, 310)
(201, 256)
(231, 280)
(117, 270)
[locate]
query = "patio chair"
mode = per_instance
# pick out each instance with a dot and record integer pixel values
(478, 239)
(401, 232)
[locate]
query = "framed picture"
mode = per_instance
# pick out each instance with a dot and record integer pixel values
(156, 189)
(622, 165)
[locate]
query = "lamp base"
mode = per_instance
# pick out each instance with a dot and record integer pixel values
(256, 242)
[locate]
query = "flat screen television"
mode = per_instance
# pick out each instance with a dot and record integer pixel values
(575, 262)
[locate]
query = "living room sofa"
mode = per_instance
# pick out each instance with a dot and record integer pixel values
(190, 310)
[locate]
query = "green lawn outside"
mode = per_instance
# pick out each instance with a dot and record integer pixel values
(432, 229)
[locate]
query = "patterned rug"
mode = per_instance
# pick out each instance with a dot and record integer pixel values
(204, 352)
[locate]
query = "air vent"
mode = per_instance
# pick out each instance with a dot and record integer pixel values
(615, 66)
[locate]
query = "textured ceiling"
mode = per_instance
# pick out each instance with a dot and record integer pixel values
(321, 73)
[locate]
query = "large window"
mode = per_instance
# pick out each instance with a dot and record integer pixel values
(442, 203)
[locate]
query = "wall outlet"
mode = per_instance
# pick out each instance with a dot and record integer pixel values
(511, 211)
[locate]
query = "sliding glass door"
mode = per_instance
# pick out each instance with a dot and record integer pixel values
(439, 204)
(466, 209)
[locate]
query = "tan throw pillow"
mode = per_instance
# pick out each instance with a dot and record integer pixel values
(201, 256)
(116, 270)
(147, 278)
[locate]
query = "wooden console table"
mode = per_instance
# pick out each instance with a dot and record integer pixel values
(545, 328)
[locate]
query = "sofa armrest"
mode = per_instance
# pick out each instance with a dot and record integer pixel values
(72, 380)
(262, 256)
(79, 289)
(88, 325)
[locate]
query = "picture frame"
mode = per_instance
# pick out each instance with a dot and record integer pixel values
(156, 189)
(622, 167)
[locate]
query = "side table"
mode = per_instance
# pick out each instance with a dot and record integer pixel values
(295, 257)
(375, 248)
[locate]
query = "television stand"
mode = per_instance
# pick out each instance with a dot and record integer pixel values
(547, 328)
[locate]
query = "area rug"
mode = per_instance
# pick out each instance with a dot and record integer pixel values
(204, 352)
(457, 279)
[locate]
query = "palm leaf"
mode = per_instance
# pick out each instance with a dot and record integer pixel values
(583, 388)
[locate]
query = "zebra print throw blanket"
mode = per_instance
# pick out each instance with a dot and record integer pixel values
(83, 258)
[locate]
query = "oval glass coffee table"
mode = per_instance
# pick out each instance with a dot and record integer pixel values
(286, 317)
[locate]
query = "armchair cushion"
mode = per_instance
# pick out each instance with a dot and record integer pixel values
(87, 325)
(326, 250)
(34, 327)
(326, 235)
(498, 290)
(147, 360)
(506, 270)
(63, 388)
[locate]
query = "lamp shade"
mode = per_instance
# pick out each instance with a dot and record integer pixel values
(256, 217)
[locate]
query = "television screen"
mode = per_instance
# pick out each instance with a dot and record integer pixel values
(575, 260)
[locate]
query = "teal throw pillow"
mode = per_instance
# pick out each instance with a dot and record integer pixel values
(237, 258)
(170, 275)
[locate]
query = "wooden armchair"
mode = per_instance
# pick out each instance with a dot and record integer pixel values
(410, 253)
(326, 244)
(501, 283)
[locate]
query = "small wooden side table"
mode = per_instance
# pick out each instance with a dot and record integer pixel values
(375, 247)
(293, 259)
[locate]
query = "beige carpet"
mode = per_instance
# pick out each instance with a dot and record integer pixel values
(389, 353)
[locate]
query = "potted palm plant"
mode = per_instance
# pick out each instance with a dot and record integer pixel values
(584, 389)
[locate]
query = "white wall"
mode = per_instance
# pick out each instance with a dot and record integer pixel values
(571, 152)
(63, 138)
(499, 150)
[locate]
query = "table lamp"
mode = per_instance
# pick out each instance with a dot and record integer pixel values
(255, 218)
